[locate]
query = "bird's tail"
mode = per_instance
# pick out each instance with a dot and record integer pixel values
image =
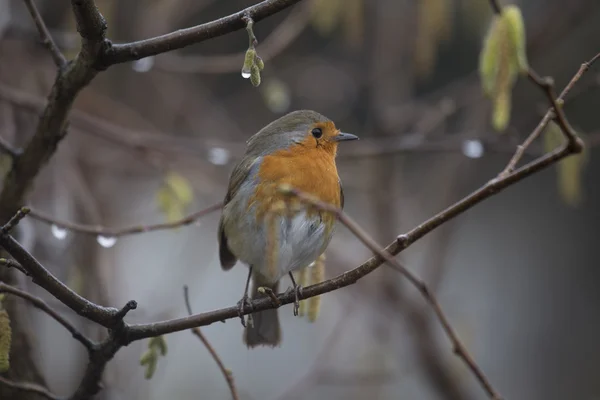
(263, 327)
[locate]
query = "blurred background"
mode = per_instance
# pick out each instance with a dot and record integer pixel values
(516, 274)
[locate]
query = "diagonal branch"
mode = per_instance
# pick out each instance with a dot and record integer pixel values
(196, 331)
(43, 306)
(57, 56)
(105, 316)
(555, 112)
(459, 349)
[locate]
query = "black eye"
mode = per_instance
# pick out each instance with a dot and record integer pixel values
(317, 133)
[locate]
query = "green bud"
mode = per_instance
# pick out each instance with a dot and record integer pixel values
(159, 343)
(513, 18)
(248, 63)
(255, 76)
(501, 113)
(259, 62)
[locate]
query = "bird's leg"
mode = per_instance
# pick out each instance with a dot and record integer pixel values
(297, 291)
(244, 302)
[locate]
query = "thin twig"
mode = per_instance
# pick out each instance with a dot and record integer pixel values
(547, 84)
(21, 213)
(119, 232)
(57, 56)
(459, 349)
(13, 264)
(43, 306)
(30, 387)
(252, 41)
(555, 111)
(196, 331)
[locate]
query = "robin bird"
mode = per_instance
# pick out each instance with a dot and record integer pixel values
(297, 150)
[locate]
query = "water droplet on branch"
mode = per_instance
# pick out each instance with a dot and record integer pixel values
(58, 232)
(106, 241)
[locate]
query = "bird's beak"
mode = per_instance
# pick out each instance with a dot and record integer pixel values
(342, 137)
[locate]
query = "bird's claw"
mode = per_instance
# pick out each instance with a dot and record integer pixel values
(242, 305)
(297, 293)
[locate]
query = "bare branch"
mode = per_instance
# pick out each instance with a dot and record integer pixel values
(196, 331)
(277, 41)
(57, 56)
(14, 264)
(459, 349)
(114, 233)
(106, 316)
(43, 306)
(30, 387)
(547, 85)
(53, 122)
(120, 53)
(21, 213)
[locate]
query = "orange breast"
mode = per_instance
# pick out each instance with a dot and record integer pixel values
(310, 169)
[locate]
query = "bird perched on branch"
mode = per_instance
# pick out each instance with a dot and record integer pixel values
(267, 229)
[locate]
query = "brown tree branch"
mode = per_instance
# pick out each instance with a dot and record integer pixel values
(106, 316)
(196, 331)
(43, 306)
(57, 56)
(30, 387)
(119, 232)
(53, 122)
(459, 349)
(13, 264)
(119, 53)
(277, 41)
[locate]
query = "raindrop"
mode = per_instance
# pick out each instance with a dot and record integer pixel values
(143, 65)
(245, 74)
(106, 241)
(472, 148)
(218, 156)
(58, 232)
